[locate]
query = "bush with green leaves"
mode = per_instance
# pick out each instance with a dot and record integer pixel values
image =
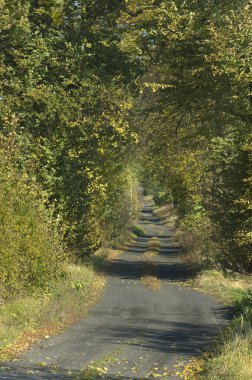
(31, 253)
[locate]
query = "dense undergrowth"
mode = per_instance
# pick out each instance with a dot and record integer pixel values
(31, 249)
(95, 99)
(44, 286)
(68, 183)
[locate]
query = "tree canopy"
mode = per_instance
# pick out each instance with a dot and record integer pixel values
(95, 98)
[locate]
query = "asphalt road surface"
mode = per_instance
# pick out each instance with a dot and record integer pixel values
(133, 332)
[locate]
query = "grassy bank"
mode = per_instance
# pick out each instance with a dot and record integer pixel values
(40, 291)
(231, 356)
(36, 316)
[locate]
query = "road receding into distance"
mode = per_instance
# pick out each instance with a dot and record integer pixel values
(134, 332)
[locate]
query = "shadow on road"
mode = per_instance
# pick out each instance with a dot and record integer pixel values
(133, 270)
(167, 264)
(174, 322)
(173, 337)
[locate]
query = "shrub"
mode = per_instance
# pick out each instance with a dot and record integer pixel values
(31, 253)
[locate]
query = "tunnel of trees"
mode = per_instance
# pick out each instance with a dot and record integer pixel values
(99, 97)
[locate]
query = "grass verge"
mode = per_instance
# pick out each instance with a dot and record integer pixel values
(231, 356)
(103, 257)
(230, 288)
(37, 316)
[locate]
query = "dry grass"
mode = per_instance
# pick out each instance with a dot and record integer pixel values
(109, 253)
(149, 255)
(26, 320)
(228, 288)
(101, 259)
(151, 282)
(154, 243)
(149, 277)
(231, 359)
(167, 215)
(148, 199)
(126, 238)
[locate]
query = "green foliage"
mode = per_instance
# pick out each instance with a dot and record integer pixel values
(197, 236)
(243, 306)
(31, 252)
(82, 86)
(66, 91)
(194, 116)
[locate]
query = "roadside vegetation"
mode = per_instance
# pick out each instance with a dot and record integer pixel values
(68, 185)
(31, 317)
(231, 358)
(95, 100)
(44, 286)
(231, 354)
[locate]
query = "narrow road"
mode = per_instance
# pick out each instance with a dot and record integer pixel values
(133, 332)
